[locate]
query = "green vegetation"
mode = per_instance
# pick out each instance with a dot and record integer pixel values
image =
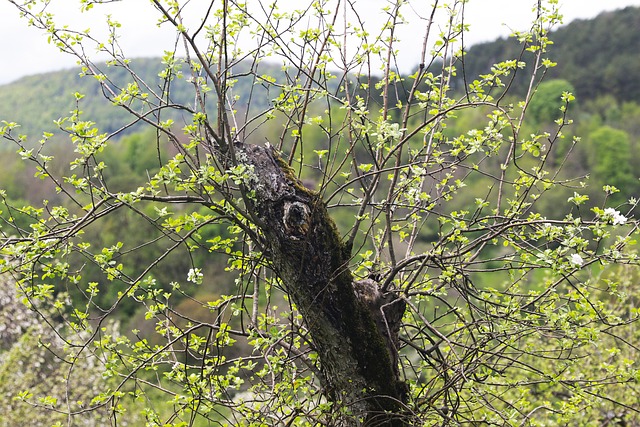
(547, 101)
(223, 241)
(609, 159)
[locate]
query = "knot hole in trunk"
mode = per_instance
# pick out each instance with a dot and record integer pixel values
(296, 218)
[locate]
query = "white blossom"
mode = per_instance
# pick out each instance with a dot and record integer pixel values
(615, 216)
(576, 259)
(195, 276)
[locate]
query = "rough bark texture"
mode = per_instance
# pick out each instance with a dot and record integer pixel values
(353, 326)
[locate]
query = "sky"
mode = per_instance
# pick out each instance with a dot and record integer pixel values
(25, 51)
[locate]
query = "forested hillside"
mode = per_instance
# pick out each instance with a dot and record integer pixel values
(598, 56)
(605, 117)
(596, 60)
(600, 73)
(37, 101)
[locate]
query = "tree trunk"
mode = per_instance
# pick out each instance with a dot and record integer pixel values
(353, 326)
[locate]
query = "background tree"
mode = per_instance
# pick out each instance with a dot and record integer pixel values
(610, 159)
(545, 106)
(413, 282)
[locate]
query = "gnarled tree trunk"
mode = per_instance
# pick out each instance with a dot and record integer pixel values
(353, 325)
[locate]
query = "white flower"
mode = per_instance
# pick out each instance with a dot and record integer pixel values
(195, 276)
(576, 259)
(616, 217)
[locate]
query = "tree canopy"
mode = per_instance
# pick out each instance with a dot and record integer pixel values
(338, 254)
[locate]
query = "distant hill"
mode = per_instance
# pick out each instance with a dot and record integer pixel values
(36, 101)
(598, 56)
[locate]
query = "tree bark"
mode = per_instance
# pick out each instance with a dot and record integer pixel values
(353, 326)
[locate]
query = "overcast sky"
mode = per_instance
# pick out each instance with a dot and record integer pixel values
(25, 50)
